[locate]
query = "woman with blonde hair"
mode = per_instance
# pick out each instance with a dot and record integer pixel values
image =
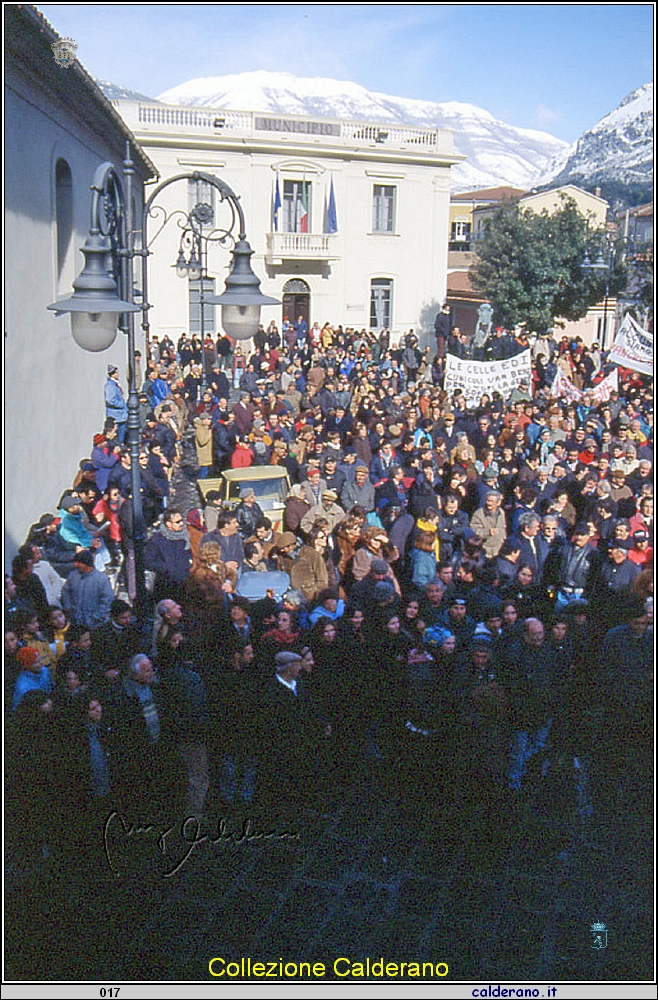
(374, 545)
(210, 580)
(348, 534)
(310, 573)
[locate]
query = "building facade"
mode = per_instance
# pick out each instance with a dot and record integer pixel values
(469, 212)
(349, 221)
(58, 128)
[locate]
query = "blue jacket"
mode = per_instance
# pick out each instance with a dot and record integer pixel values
(115, 403)
(28, 681)
(87, 598)
(72, 529)
(103, 462)
(170, 559)
(422, 566)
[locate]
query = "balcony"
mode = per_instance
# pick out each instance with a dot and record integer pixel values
(299, 246)
(234, 127)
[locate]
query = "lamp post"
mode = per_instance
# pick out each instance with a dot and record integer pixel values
(102, 301)
(602, 266)
(611, 250)
(242, 298)
(192, 262)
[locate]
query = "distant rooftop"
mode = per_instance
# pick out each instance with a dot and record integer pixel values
(491, 194)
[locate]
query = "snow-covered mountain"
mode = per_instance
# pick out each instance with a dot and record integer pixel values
(615, 154)
(115, 93)
(618, 150)
(497, 153)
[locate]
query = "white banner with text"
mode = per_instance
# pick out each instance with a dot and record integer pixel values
(477, 377)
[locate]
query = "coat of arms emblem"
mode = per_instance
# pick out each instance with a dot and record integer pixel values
(600, 934)
(64, 50)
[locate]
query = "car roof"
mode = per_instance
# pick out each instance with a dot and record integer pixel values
(255, 472)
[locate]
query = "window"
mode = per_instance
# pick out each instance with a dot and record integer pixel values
(461, 232)
(381, 294)
(296, 206)
(208, 307)
(202, 193)
(383, 208)
(63, 220)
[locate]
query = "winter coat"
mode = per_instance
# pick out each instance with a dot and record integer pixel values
(115, 403)
(87, 598)
(309, 574)
(482, 523)
(170, 560)
(203, 442)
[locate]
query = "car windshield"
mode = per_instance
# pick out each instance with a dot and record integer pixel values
(274, 489)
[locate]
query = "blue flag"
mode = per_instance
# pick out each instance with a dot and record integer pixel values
(332, 219)
(276, 206)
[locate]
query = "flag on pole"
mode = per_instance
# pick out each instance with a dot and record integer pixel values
(332, 219)
(303, 220)
(276, 206)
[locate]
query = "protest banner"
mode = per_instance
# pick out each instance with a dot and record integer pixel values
(563, 388)
(633, 347)
(477, 377)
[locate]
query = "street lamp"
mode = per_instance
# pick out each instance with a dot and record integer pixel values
(242, 298)
(610, 250)
(101, 303)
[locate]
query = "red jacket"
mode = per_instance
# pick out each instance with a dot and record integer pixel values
(242, 458)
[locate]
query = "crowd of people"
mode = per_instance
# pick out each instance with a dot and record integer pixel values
(469, 595)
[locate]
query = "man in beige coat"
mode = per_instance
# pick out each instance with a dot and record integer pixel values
(489, 524)
(203, 443)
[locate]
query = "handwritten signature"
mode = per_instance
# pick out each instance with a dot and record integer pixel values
(190, 833)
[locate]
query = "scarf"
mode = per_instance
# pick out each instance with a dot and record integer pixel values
(176, 536)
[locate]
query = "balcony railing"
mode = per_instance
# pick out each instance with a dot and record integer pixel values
(176, 119)
(301, 246)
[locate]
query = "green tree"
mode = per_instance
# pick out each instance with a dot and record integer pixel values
(530, 266)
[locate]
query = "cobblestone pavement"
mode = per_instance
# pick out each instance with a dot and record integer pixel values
(497, 895)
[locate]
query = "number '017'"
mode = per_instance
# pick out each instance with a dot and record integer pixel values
(111, 991)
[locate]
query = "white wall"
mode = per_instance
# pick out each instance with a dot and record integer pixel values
(53, 400)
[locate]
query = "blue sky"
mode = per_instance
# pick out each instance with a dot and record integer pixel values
(557, 67)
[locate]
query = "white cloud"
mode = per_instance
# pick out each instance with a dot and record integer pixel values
(545, 116)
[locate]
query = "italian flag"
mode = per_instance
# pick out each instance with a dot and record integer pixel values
(303, 220)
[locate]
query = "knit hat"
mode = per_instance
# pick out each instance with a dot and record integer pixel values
(85, 557)
(379, 566)
(435, 636)
(26, 657)
(69, 502)
(383, 591)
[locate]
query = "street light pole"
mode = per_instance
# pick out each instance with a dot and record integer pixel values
(103, 297)
(102, 303)
(242, 298)
(133, 428)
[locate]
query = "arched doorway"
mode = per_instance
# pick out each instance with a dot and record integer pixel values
(296, 300)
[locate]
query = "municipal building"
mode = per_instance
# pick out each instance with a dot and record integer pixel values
(349, 221)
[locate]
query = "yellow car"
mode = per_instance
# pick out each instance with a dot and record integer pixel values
(270, 483)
